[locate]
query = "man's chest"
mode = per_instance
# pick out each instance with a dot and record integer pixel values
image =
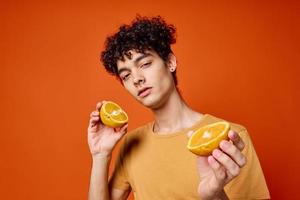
(163, 167)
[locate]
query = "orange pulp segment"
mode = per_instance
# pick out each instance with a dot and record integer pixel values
(112, 115)
(207, 138)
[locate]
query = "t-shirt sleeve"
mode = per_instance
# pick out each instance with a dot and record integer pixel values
(250, 183)
(119, 178)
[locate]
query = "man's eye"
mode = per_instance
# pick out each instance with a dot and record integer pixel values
(146, 64)
(125, 77)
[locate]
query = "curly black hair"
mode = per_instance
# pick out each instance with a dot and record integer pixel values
(142, 34)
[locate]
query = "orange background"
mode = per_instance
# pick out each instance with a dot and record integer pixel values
(238, 60)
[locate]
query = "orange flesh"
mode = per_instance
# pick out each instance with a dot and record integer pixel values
(115, 112)
(208, 134)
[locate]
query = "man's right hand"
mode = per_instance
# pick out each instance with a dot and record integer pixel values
(102, 139)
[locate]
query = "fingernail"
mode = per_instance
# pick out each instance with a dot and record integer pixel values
(224, 144)
(217, 153)
(190, 133)
(232, 134)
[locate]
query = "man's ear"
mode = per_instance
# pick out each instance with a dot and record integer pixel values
(172, 62)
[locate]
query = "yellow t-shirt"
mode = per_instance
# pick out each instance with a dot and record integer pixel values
(159, 166)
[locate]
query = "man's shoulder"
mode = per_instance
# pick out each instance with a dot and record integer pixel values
(139, 131)
(136, 137)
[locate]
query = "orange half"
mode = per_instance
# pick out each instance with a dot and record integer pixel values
(208, 138)
(112, 115)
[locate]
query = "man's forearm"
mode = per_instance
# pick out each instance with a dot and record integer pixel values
(99, 178)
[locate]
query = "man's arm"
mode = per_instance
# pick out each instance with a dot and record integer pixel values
(99, 181)
(99, 175)
(102, 140)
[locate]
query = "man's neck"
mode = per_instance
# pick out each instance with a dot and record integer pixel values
(174, 115)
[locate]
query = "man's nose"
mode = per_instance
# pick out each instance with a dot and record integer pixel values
(138, 78)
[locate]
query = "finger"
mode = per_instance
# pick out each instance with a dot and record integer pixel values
(217, 168)
(94, 121)
(123, 129)
(99, 104)
(236, 139)
(231, 167)
(231, 150)
(94, 114)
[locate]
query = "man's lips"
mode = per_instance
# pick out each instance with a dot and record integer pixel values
(144, 92)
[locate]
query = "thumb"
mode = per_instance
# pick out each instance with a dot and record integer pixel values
(123, 129)
(190, 133)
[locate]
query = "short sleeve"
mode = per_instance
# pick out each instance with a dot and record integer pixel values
(119, 178)
(250, 183)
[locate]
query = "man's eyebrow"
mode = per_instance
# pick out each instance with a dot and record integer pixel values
(144, 55)
(136, 60)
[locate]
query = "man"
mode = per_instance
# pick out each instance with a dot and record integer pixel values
(154, 162)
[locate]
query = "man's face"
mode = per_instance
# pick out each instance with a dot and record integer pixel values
(147, 78)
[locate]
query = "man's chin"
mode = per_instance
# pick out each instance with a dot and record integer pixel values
(150, 103)
(147, 102)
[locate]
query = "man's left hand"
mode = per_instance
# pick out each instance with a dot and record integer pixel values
(221, 167)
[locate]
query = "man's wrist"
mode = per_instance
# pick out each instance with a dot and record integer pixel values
(221, 196)
(101, 157)
(218, 196)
